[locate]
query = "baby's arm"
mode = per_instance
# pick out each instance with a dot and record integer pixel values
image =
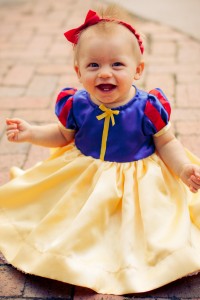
(51, 135)
(173, 154)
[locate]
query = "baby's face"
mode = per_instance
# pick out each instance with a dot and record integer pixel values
(108, 64)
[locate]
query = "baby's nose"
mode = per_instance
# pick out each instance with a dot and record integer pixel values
(105, 73)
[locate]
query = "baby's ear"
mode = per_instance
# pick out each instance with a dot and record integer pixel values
(77, 70)
(139, 70)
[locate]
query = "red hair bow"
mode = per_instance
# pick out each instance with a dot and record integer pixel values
(91, 19)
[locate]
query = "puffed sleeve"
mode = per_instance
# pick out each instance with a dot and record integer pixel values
(64, 108)
(156, 113)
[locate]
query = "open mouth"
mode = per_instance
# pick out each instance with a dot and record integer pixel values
(106, 87)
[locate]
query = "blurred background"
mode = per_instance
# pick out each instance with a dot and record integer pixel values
(180, 14)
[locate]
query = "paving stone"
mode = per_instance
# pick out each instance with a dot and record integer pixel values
(11, 281)
(187, 287)
(192, 143)
(12, 160)
(4, 176)
(187, 95)
(51, 69)
(166, 81)
(44, 116)
(12, 148)
(188, 128)
(186, 114)
(87, 294)
(3, 115)
(35, 155)
(38, 287)
(2, 259)
(19, 75)
(42, 86)
(167, 47)
(15, 103)
(6, 91)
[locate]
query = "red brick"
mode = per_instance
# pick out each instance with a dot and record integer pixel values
(69, 79)
(2, 259)
(87, 294)
(7, 29)
(161, 60)
(189, 51)
(19, 75)
(153, 28)
(44, 115)
(187, 95)
(192, 143)
(4, 67)
(40, 43)
(7, 160)
(175, 68)
(11, 281)
(42, 86)
(11, 91)
(187, 287)
(7, 46)
(72, 81)
(35, 155)
(187, 128)
(58, 49)
(24, 36)
(165, 81)
(183, 114)
(3, 115)
(164, 48)
(52, 69)
(9, 54)
(4, 177)
(187, 78)
(168, 35)
(12, 148)
(45, 288)
(14, 103)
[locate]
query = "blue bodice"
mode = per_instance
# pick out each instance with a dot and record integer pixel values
(129, 138)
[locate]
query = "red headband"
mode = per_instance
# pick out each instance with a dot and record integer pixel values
(91, 19)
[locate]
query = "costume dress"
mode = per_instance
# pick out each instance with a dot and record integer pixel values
(104, 212)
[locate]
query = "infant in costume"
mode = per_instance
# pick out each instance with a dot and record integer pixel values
(116, 207)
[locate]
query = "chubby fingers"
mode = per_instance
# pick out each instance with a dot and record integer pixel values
(12, 129)
(13, 121)
(194, 183)
(12, 135)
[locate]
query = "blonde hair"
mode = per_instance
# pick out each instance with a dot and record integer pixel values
(115, 14)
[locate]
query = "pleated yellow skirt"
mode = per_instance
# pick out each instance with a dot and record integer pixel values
(116, 228)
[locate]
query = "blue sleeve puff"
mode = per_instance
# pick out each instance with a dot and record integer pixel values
(64, 108)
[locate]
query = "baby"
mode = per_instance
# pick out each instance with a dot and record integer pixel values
(110, 209)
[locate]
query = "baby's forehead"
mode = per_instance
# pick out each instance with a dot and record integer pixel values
(107, 33)
(105, 28)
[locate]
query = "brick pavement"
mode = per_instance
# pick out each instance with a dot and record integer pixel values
(36, 62)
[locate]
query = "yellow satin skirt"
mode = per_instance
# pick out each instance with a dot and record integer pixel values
(116, 228)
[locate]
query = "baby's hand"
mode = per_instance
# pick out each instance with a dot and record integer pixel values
(190, 175)
(18, 130)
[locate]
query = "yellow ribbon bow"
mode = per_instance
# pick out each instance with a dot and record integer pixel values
(107, 114)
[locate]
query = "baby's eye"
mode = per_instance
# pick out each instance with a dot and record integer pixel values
(93, 65)
(117, 64)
